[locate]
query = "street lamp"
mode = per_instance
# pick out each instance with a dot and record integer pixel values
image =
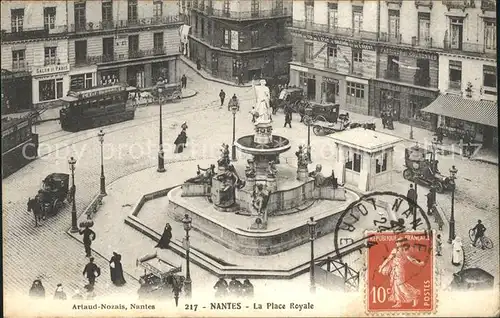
(187, 227)
(234, 110)
(161, 163)
(411, 127)
(453, 176)
(415, 206)
(100, 135)
(312, 232)
(74, 227)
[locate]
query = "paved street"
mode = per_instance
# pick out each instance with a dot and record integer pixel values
(50, 253)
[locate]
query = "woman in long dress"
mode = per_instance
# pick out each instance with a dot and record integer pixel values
(456, 256)
(394, 267)
(116, 270)
(165, 237)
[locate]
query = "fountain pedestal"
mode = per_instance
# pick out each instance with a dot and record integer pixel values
(302, 174)
(271, 184)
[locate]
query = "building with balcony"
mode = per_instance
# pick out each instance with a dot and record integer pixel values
(334, 51)
(373, 55)
(79, 44)
(241, 39)
(465, 31)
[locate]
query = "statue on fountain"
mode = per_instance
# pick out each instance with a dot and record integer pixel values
(205, 178)
(302, 158)
(321, 181)
(250, 169)
(230, 182)
(262, 110)
(224, 160)
(260, 198)
(271, 170)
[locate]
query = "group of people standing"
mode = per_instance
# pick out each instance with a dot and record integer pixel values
(234, 289)
(387, 119)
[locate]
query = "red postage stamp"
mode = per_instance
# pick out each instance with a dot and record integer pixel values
(400, 269)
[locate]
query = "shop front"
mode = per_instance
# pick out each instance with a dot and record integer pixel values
(50, 83)
(459, 116)
(319, 85)
(83, 78)
(405, 102)
(16, 91)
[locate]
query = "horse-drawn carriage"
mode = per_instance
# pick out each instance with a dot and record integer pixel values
(51, 196)
(159, 280)
(325, 118)
(290, 97)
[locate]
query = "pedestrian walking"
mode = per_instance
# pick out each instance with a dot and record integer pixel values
(240, 78)
(288, 117)
(247, 289)
(411, 195)
(235, 287)
(88, 237)
(431, 200)
(180, 142)
(384, 118)
(59, 293)
(184, 81)
(91, 271)
(222, 96)
(221, 288)
(439, 245)
(165, 237)
(456, 254)
(37, 290)
(116, 270)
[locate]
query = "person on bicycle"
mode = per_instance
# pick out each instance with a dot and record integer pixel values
(479, 230)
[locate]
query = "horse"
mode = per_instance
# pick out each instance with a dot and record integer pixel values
(34, 205)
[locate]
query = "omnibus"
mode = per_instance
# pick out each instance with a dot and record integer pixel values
(19, 144)
(99, 106)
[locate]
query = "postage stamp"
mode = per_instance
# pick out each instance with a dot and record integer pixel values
(400, 273)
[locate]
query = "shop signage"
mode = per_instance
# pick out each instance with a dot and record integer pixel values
(331, 40)
(299, 68)
(51, 69)
(330, 80)
(420, 55)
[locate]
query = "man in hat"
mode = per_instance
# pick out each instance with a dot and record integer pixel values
(431, 200)
(222, 96)
(411, 195)
(92, 271)
(88, 237)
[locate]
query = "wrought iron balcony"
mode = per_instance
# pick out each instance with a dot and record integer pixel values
(392, 38)
(398, 2)
(33, 33)
(51, 61)
(489, 5)
(459, 4)
(392, 75)
(18, 66)
(125, 24)
(331, 30)
(131, 55)
(470, 47)
(455, 85)
(248, 15)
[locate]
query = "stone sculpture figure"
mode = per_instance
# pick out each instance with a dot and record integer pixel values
(263, 102)
(230, 182)
(206, 177)
(319, 178)
(250, 169)
(271, 170)
(224, 160)
(260, 199)
(302, 158)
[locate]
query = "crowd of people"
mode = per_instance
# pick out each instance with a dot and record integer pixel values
(235, 288)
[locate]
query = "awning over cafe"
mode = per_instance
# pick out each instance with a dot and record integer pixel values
(481, 112)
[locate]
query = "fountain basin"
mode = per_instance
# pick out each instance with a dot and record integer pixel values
(278, 145)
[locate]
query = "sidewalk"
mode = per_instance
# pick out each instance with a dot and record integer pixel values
(209, 77)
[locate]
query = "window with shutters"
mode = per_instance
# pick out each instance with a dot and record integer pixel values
(132, 11)
(49, 18)
(107, 11)
(255, 8)
(490, 35)
(394, 25)
(489, 76)
(424, 25)
(158, 9)
(331, 55)
(309, 11)
(50, 55)
(333, 15)
(357, 21)
(308, 51)
(18, 59)
(80, 16)
(455, 75)
(158, 41)
(456, 33)
(17, 20)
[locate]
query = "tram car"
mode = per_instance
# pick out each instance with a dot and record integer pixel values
(19, 144)
(96, 107)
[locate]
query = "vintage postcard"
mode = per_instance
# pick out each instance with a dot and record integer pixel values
(249, 158)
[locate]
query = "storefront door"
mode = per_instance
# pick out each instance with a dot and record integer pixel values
(311, 89)
(215, 64)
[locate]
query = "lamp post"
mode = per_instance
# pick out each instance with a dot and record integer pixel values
(187, 227)
(411, 127)
(100, 135)
(415, 207)
(234, 110)
(161, 162)
(74, 227)
(312, 231)
(453, 176)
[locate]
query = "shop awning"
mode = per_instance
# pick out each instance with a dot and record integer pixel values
(476, 111)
